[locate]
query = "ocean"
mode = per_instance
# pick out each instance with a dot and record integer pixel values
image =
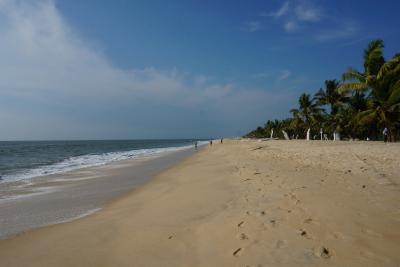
(20, 160)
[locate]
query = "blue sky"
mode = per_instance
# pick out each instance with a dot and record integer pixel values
(173, 69)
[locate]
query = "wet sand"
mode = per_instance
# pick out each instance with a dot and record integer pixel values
(59, 198)
(243, 203)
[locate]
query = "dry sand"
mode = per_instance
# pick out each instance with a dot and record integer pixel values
(243, 203)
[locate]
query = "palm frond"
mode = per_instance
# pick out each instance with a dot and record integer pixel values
(394, 97)
(395, 108)
(295, 112)
(373, 57)
(392, 64)
(349, 87)
(374, 47)
(366, 117)
(352, 74)
(320, 97)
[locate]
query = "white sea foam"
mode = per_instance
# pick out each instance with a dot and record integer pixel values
(35, 192)
(90, 160)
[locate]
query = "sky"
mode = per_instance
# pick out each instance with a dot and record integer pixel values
(121, 69)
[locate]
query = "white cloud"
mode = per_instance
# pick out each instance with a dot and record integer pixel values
(293, 14)
(309, 18)
(40, 53)
(261, 75)
(252, 26)
(307, 13)
(290, 26)
(283, 10)
(59, 82)
(277, 76)
(284, 75)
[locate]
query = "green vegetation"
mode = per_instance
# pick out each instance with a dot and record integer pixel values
(358, 107)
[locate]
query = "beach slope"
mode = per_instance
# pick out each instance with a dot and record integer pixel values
(241, 203)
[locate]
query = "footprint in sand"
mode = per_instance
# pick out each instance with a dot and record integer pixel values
(304, 233)
(240, 224)
(243, 236)
(294, 198)
(273, 222)
(237, 252)
(322, 252)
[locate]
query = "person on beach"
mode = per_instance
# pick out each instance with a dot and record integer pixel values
(385, 135)
(222, 140)
(195, 145)
(210, 142)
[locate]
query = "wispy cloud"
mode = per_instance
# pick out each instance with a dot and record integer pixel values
(341, 32)
(309, 17)
(307, 13)
(285, 74)
(293, 14)
(55, 84)
(261, 75)
(290, 26)
(283, 10)
(252, 26)
(274, 75)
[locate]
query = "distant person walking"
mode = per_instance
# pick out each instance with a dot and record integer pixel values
(385, 135)
(195, 145)
(222, 140)
(210, 142)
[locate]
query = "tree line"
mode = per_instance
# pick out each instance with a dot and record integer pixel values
(359, 106)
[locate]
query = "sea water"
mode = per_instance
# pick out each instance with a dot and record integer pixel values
(21, 160)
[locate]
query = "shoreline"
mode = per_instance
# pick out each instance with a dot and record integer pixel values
(88, 159)
(242, 203)
(48, 200)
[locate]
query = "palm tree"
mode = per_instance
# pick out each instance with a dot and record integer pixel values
(257, 133)
(330, 96)
(373, 61)
(309, 113)
(381, 82)
(364, 103)
(297, 124)
(346, 119)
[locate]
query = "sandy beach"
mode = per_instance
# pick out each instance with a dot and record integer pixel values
(33, 203)
(241, 203)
